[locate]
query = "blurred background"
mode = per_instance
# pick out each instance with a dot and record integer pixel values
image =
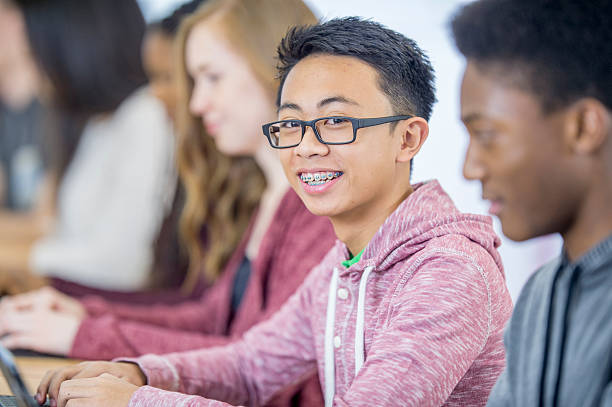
(442, 157)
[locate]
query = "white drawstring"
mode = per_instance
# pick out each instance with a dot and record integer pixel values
(330, 374)
(359, 325)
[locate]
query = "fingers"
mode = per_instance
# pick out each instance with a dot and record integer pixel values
(45, 297)
(76, 391)
(105, 390)
(22, 341)
(25, 301)
(4, 327)
(43, 386)
(83, 380)
(13, 322)
(95, 369)
(23, 329)
(7, 304)
(53, 384)
(50, 299)
(52, 381)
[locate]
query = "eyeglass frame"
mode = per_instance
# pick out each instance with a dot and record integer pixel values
(355, 122)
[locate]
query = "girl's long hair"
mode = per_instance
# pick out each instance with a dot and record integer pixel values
(223, 192)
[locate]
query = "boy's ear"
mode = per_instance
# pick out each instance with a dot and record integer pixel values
(588, 127)
(414, 132)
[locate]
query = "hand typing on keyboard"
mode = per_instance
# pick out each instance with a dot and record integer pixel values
(23, 318)
(102, 384)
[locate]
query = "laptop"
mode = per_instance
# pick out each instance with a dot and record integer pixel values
(22, 397)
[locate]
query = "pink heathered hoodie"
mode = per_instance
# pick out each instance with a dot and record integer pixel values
(417, 321)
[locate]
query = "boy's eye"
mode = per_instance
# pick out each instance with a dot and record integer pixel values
(335, 121)
(485, 136)
(290, 124)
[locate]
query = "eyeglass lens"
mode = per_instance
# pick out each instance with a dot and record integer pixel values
(331, 130)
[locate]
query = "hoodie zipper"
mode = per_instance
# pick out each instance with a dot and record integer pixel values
(330, 374)
(565, 327)
(570, 292)
(547, 335)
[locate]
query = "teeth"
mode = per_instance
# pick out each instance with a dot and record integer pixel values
(319, 178)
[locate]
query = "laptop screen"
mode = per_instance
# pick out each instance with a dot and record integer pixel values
(9, 369)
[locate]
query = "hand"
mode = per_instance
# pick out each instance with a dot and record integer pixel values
(52, 382)
(41, 330)
(103, 391)
(44, 298)
(23, 318)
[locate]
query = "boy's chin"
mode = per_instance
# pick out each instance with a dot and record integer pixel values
(317, 208)
(320, 205)
(516, 231)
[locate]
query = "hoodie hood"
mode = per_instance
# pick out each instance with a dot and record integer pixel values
(427, 213)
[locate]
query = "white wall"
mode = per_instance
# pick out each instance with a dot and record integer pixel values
(442, 156)
(154, 10)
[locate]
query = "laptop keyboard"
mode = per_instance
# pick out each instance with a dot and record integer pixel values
(8, 401)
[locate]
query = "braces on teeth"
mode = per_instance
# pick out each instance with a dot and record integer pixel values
(319, 177)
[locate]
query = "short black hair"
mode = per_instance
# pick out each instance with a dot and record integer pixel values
(559, 50)
(405, 73)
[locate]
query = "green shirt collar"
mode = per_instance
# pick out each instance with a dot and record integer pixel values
(355, 259)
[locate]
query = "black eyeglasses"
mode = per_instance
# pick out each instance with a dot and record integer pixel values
(328, 130)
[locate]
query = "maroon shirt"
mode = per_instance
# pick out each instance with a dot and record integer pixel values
(294, 243)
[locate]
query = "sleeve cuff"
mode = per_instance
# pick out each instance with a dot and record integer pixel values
(95, 305)
(159, 372)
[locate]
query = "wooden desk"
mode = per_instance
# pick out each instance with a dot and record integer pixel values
(33, 369)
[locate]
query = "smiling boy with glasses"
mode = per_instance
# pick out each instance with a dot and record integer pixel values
(408, 307)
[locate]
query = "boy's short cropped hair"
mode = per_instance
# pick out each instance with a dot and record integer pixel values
(559, 50)
(405, 73)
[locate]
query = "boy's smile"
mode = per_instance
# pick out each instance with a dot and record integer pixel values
(354, 184)
(318, 181)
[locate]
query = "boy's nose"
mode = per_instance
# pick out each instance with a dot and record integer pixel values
(310, 145)
(473, 169)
